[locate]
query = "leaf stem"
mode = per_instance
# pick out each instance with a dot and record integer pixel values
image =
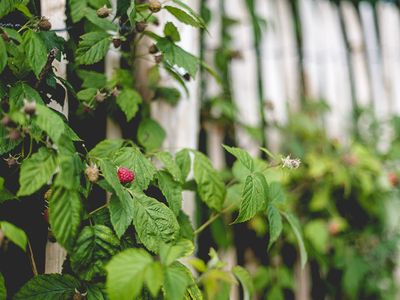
(32, 259)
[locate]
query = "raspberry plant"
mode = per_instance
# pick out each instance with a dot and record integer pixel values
(130, 246)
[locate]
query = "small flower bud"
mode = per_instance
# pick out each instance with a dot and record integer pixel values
(158, 58)
(14, 134)
(154, 6)
(116, 42)
(92, 173)
(100, 96)
(103, 12)
(153, 49)
(29, 108)
(44, 24)
(140, 26)
(290, 163)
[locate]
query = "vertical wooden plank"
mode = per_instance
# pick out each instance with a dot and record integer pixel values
(335, 85)
(374, 60)
(181, 122)
(389, 23)
(55, 12)
(358, 55)
(244, 80)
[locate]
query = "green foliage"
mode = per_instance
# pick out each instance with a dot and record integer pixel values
(14, 234)
(3, 290)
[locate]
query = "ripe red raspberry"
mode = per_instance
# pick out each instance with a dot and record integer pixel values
(125, 175)
(393, 179)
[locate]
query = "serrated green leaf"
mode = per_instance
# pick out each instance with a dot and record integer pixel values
(20, 92)
(245, 279)
(131, 12)
(126, 273)
(175, 55)
(171, 190)
(170, 253)
(35, 50)
(134, 160)
(52, 40)
(294, 224)
(150, 134)
(177, 280)
(121, 213)
(92, 47)
(14, 234)
(3, 291)
(49, 287)
(86, 95)
(191, 11)
(7, 6)
(168, 94)
(172, 32)
(65, 215)
(70, 167)
(96, 292)
(275, 193)
(106, 148)
(78, 9)
(93, 248)
(154, 222)
(183, 16)
(254, 194)
(6, 144)
(3, 55)
(169, 165)
(50, 122)
(210, 186)
(99, 3)
(36, 171)
(186, 229)
(275, 224)
(242, 156)
(184, 162)
(92, 79)
(128, 100)
(154, 278)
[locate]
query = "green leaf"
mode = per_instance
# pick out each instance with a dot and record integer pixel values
(65, 215)
(171, 190)
(99, 3)
(128, 100)
(121, 213)
(94, 246)
(275, 224)
(70, 167)
(20, 92)
(92, 47)
(7, 6)
(316, 231)
(78, 9)
(183, 16)
(245, 279)
(183, 160)
(275, 193)
(50, 122)
(150, 134)
(106, 148)
(126, 273)
(175, 55)
(6, 145)
(3, 55)
(131, 12)
(168, 94)
(254, 194)
(294, 224)
(172, 32)
(92, 79)
(36, 171)
(186, 229)
(191, 11)
(242, 156)
(49, 287)
(154, 278)
(134, 160)
(210, 186)
(170, 165)
(35, 51)
(177, 280)
(154, 222)
(170, 253)
(3, 291)
(14, 234)
(87, 95)
(96, 292)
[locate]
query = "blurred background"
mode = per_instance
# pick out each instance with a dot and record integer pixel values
(317, 80)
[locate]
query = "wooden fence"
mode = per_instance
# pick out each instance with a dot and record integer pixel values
(349, 56)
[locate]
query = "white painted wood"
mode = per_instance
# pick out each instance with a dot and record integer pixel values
(358, 55)
(55, 12)
(374, 59)
(335, 84)
(389, 23)
(244, 79)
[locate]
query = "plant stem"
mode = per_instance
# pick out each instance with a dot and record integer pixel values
(212, 218)
(99, 208)
(32, 260)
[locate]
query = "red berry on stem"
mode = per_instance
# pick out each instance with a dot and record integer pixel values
(393, 179)
(125, 175)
